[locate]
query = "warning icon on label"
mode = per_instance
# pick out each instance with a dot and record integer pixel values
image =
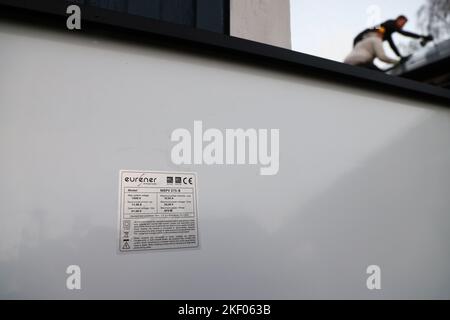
(126, 246)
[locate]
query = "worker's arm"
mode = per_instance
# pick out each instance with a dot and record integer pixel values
(393, 46)
(409, 34)
(381, 54)
(417, 36)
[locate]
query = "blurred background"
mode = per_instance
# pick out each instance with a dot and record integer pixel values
(326, 28)
(323, 28)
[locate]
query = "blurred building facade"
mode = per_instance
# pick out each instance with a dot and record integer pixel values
(211, 15)
(265, 21)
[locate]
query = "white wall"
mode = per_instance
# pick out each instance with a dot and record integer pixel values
(364, 177)
(265, 21)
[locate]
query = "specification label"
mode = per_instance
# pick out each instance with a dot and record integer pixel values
(157, 210)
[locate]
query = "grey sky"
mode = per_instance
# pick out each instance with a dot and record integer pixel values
(326, 28)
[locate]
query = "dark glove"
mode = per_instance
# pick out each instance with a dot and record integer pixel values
(404, 59)
(426, 39)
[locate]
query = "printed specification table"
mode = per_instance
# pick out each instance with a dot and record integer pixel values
(157, 211)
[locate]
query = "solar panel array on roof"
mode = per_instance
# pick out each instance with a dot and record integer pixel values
(430, 64)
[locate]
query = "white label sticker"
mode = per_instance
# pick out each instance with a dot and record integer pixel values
(157, 210)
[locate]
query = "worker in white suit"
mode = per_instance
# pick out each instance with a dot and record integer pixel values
(368, 49)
